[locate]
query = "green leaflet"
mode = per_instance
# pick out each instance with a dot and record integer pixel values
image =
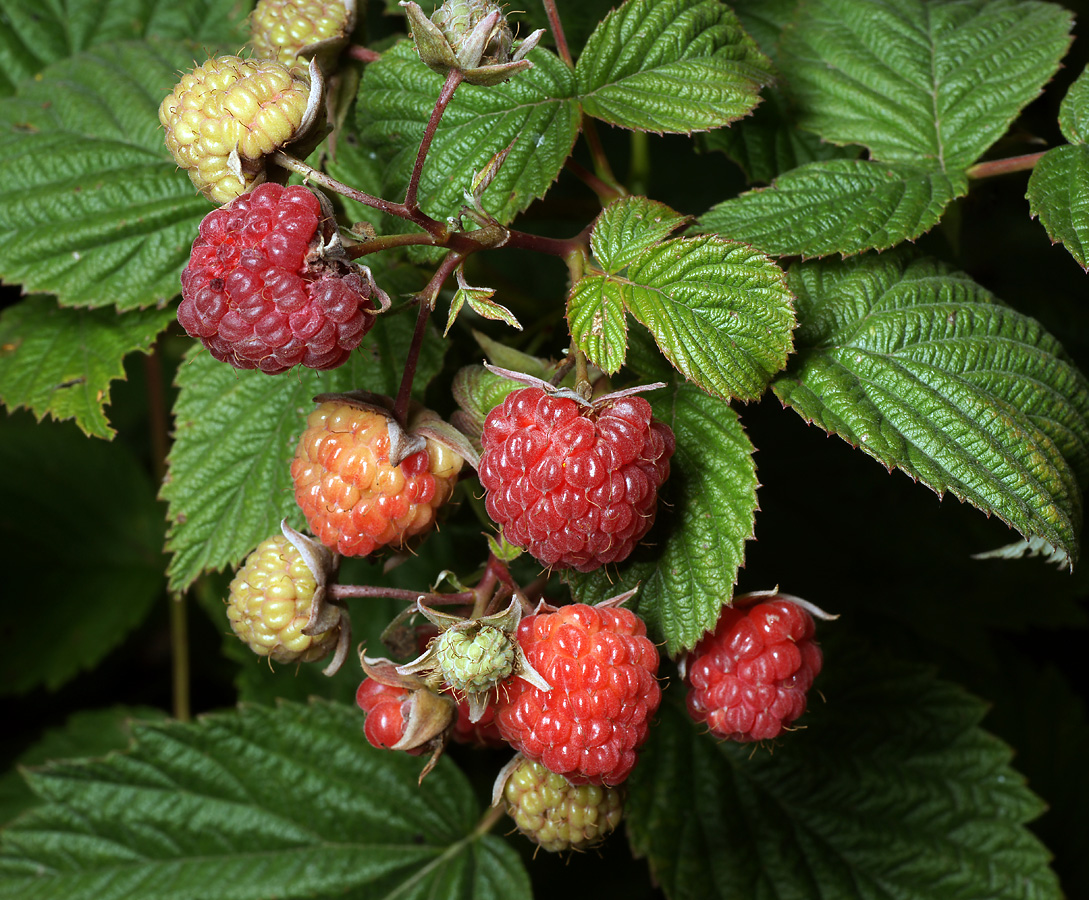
(688, 564)
(931, 84)
(889, 788)
(838, 206)
(35, 35)
(290, 802)
(92, 207)
(924, 370)
(598, 321)
(82, 534)
(535, 113)
(1058, 192)
(235, 436)
(628, 226)
(60, 362)
(671, 66)
(1074, 111)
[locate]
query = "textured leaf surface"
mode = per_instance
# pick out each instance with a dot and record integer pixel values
(671, 66)
(60, 362)
(926, 371)
(719, 311)
(628, 226)
(86, 733)
(932, 84)
(34, 35)
(536, 111)
(1058, 192)
(889, 790)
(921, 82)
(688, 564)
(1074, 111)
(82, 538)
(597, 321)
(92, 207)
(256, 803)
(236, 433)
(838, 206)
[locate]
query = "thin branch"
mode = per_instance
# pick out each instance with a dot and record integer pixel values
(363, 54)
(601, 161)
(606, 193)
(445, 95)
(1004, 166)
(557, 32)
(360, 591)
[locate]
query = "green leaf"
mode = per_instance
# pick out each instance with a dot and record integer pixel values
(628, 226)
(926, 371)
(35, 35)
(60, 362)
(534, 112)
(890, 789)
(82, 534)
(86, 733)
(235, 435)
(838, 206)
(671, 66)
(930, 84)
(256, 803)
(720, 311)
(597, 321)
(1058, 192)
(1074, 111)
(92, 207)
(688, 565)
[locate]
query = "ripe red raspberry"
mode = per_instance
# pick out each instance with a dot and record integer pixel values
(355, 501)
(575, 485)
(384, 705)
(748, 679)
(602, 669)
(257, 293)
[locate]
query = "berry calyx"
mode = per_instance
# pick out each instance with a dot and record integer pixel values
(556, 814)
(223, 118)
(271, 603)
(259, 293)
(749, 678)
(602, 668)
(574, 484)
(355, 496)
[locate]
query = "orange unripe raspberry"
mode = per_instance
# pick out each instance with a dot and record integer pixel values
(356, 502)
(225, 116)
(270, 603)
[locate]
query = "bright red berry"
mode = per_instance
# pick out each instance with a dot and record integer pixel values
(602, 668)
(575, 485)
(355, 501)
(386, 709)
(258, 294)
(748, 679)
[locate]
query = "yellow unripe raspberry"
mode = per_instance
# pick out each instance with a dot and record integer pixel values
(270, 604)
(223, 118)
(280, 29)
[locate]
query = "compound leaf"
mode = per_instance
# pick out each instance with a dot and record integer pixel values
(671, 66)
(628, 226)
(60, 362)
(838, 206)
(229, 483)
(890, 789)
(931, 84)
(36, 35)
(92, 207)
(60, 489)
(719, 310)
(926, 371)
(1058, 192)
(288, 802)
(534, 113)
(688, 565)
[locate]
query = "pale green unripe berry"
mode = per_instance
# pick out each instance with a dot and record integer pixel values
(477, 661)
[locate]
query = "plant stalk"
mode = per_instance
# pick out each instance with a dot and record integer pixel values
(556, 26)
(453, 79)
(1004, 166)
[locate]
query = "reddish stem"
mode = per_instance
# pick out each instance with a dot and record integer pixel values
(363, 54)
(358, 591)
(557, 32)
(445, 95)
(1004, 166)
(606, 193)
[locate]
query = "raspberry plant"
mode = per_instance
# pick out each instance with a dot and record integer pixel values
(691, 227)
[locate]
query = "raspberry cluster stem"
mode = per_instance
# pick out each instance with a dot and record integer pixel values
(453, 79)
(341, 592)
(556, 27)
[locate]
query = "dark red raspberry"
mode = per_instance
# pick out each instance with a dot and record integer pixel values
(748, 679)
(484, 733)
(575, 485)
(258, 296)
(386, 712)
(602, 668)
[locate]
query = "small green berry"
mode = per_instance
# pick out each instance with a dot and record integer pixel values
(475, 662)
